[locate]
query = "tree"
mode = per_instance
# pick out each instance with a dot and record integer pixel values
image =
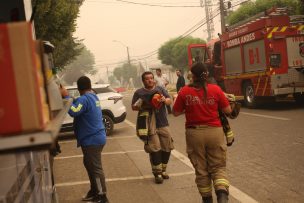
(118, 73)
(125, 72)
(174, 51)
(112, 80)
(83, 64)
(55, 21)
(251, 8)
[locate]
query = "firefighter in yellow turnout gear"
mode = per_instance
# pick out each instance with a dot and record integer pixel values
(205, 138)
(152, 124)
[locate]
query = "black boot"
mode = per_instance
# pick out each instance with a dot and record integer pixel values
(158, 178)
(165, 160)
(155, 159)
(222, 196)
(207, 199)
(101, 198)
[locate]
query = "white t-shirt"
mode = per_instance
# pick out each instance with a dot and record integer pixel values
(162, 80)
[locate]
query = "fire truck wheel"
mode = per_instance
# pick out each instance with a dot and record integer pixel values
(249, 97)
(299, 97)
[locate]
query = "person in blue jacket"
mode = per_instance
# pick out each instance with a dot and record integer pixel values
(91, 137)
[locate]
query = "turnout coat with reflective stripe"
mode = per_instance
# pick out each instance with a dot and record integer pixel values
(88, 125)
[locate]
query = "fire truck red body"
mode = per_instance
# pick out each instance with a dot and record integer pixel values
(260, 59)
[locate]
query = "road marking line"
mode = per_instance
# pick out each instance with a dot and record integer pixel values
(108, 138)
(236, 193)
(65, 142)
(122, 179)
(105, 153)
(241, 196)
(182, 158)
(121, 137)
(121, 127)
(130, 123)
(266, 116)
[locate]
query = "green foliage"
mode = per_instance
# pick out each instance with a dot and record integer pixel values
(251, 8)
(55, 21)
(174, 52)
(112, 80)
(118, 73)
(125, 72)
(83, 64)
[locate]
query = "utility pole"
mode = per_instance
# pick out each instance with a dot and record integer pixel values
(128, 56)
(108, 74)
(129, 61)
(209, 17)
(222, 12)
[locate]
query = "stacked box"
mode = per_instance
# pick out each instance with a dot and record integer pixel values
(23, 106)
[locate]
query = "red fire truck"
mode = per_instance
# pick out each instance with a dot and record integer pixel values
(258, 59)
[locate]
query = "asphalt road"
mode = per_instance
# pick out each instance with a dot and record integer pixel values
(265, 164)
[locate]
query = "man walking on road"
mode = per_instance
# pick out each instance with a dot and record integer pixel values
(158, 141)
(91, 137)
(180, 80)
(162, 80)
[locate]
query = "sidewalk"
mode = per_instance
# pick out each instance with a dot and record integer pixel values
(128, 173)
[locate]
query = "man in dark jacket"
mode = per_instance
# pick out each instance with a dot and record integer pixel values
(180, 80)
(159, 142)
(91, 137)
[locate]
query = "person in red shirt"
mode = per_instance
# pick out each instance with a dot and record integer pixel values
(206, 147)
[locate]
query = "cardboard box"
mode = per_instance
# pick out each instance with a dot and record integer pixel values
(22, 103)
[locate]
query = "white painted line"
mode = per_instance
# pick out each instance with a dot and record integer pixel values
(266, 116)
(122, 179)
(108, 138)
(68, 157)
(120, 137)
(121, 127)
(182, 158)
(130, 123)
(241, 196)
(105, 153)
(67, 141)
(236, 193)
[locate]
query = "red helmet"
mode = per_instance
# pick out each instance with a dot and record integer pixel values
(155, 101)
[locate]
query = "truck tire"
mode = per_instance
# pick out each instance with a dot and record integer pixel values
(108, 123)
(249, 97)
(299, 98)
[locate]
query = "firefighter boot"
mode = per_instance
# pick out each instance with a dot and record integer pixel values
(158, 178)
(207, 199)
(164, 173)
(155, 159)
(157, 172)
(165, 160)
(222, 196)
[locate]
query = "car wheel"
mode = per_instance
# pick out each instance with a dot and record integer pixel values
(249, 96)
(108, 123)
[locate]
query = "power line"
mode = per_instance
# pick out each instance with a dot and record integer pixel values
(184, 35)
(187, 33)
(97, 1)
(157, 5)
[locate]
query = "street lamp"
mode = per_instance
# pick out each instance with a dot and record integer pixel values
(127, 50)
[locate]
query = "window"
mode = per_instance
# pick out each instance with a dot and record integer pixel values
(199, 54)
